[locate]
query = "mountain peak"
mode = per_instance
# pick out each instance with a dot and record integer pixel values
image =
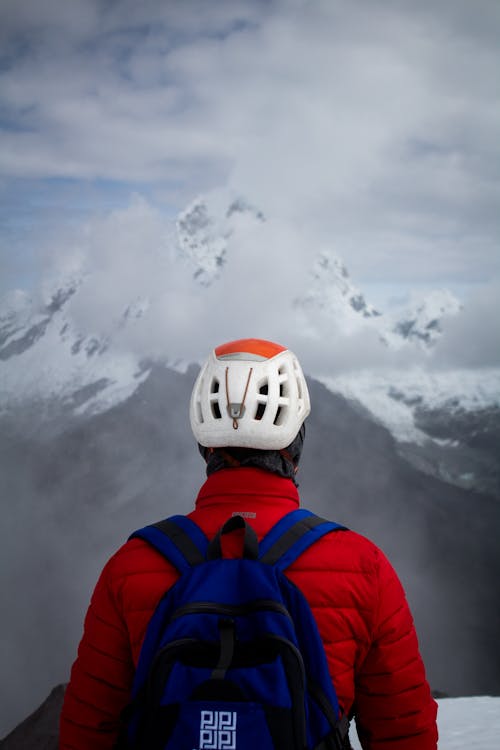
(202, 242)
(332, 292)
(420, 321)
(203, 233)
(57, 341)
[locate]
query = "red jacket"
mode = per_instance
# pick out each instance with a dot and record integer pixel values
(353, 591)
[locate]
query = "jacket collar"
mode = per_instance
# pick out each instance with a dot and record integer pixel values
(247, 485)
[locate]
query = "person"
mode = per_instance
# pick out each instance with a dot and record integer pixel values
(247, 413)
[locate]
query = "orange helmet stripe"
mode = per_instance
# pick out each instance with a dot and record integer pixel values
(258, 347)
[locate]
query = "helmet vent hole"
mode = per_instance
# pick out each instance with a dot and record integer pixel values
(261, 408)
(215, 386)
(262, 402)
(277, 417)
(216, 410)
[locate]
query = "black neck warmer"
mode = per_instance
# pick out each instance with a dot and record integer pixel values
(283, 462)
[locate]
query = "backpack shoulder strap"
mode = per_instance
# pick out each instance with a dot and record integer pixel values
(292, 535)
(178, 539)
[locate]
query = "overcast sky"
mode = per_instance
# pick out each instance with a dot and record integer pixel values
(367, 127)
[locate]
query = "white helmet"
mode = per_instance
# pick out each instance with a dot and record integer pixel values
(249, 394)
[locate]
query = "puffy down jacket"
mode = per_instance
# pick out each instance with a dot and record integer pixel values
(353, 591)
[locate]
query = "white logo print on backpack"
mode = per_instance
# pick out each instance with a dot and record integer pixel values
(218, 730)
(232, 658)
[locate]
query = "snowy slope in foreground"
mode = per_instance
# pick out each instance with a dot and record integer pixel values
(465, 724)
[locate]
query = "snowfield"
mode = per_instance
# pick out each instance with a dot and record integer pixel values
(390, 396)
(465, 724)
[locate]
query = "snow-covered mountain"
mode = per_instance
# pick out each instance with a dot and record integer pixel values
(45, 356)
(45, 352)
(447, 424)
(332, 293)
(203, 235)
(421, 320)
(51, 353)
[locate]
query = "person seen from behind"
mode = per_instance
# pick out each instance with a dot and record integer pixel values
(247, 413)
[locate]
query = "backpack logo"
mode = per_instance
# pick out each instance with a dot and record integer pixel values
(218, 730)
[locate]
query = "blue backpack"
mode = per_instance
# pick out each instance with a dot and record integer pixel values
(232, 658)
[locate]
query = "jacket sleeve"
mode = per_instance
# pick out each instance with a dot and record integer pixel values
(101, 676)
(394, 706)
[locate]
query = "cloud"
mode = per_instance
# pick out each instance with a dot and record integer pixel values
(370, 126)
(472, 339)
(140, 292)
(132, 256)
